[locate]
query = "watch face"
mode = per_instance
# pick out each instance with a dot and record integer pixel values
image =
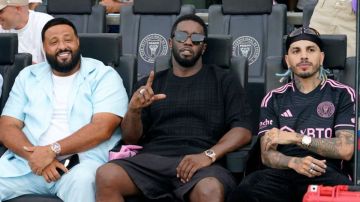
(56, 148)
(209, 152)
(306, 140)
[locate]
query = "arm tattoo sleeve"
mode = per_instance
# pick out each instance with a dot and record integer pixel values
(273, 158)
(334, 147)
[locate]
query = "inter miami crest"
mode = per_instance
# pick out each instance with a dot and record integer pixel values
(152, 46)
(247, 46)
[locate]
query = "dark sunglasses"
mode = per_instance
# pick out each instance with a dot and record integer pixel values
(181, 37)
(304, 30)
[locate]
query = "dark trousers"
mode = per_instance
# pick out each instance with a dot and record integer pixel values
(275, 185)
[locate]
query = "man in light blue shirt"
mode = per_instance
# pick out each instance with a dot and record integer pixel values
(67, 105)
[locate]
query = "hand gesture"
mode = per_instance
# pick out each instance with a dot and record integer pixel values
(190, 164)
(308, 166)
(144, 96)
(51, 174)
(275, 136)
(41, 156)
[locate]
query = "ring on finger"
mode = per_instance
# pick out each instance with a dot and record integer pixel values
(142, 91)
(312, 166)
(311, 170)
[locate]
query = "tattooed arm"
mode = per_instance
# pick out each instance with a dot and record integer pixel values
(272, 158)
(340, 147)
(307, 166)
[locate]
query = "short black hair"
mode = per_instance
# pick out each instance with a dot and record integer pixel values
(191, 17)
(57, 21)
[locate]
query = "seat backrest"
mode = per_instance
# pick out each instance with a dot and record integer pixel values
(308, 11)
(218, 52)
(257, 28)
(341, 68)
(86, 17)
(238, 17)
(145, 27)
(106, 47)
(11, 63)
(199, 4)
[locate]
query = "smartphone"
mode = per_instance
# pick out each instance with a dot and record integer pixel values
(69, 162)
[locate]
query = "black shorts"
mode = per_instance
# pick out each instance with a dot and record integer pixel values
(155, 176)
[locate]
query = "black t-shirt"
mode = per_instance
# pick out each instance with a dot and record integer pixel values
(318, 114)
(197, 112)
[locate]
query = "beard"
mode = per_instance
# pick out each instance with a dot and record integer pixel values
(185, 62)
(306, 75)
(65, 66)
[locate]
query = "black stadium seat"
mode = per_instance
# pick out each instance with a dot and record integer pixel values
(86, 17)
(257, 28)
(308, 11)
(11, 63)
(145, 27)
(106, 47)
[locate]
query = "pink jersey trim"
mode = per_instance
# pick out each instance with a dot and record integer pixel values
(279, 90)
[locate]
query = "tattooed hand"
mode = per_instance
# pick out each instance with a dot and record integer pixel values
(308, 166)
(276, 136)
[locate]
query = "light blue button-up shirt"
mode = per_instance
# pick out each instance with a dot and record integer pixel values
(97, 88)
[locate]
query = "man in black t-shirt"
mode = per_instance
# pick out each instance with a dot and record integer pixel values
(186, 118)
(306, 128)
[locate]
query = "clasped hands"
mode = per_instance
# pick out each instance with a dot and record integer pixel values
(308, 166)
(275, 136)
(42, 161)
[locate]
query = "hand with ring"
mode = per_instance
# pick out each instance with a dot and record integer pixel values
(308, 166)
(144, 96)
(141, 91)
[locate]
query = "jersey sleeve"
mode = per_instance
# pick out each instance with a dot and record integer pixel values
(268, 116)
(345, 115)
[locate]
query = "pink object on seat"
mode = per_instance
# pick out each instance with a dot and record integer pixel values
(125, 152)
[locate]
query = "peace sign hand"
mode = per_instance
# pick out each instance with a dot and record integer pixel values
(144, 96)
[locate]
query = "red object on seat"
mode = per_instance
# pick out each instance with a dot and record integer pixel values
(339, 193)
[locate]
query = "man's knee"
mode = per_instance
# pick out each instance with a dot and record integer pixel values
(109, 174)
(112, 178)
(208, 188)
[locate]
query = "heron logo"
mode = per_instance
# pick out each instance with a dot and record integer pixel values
(152, 46)
(246, 46)
(325, 109)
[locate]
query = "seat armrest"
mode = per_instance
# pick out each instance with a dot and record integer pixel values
(236, 161)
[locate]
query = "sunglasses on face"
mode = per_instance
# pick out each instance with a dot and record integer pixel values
(196, 38)
(304, 30)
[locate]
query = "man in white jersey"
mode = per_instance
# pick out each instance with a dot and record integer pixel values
(68, 105)
(306, 128)
(15, 17)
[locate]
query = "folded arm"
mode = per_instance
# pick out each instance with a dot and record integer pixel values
(340, 147)
(307, 166)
